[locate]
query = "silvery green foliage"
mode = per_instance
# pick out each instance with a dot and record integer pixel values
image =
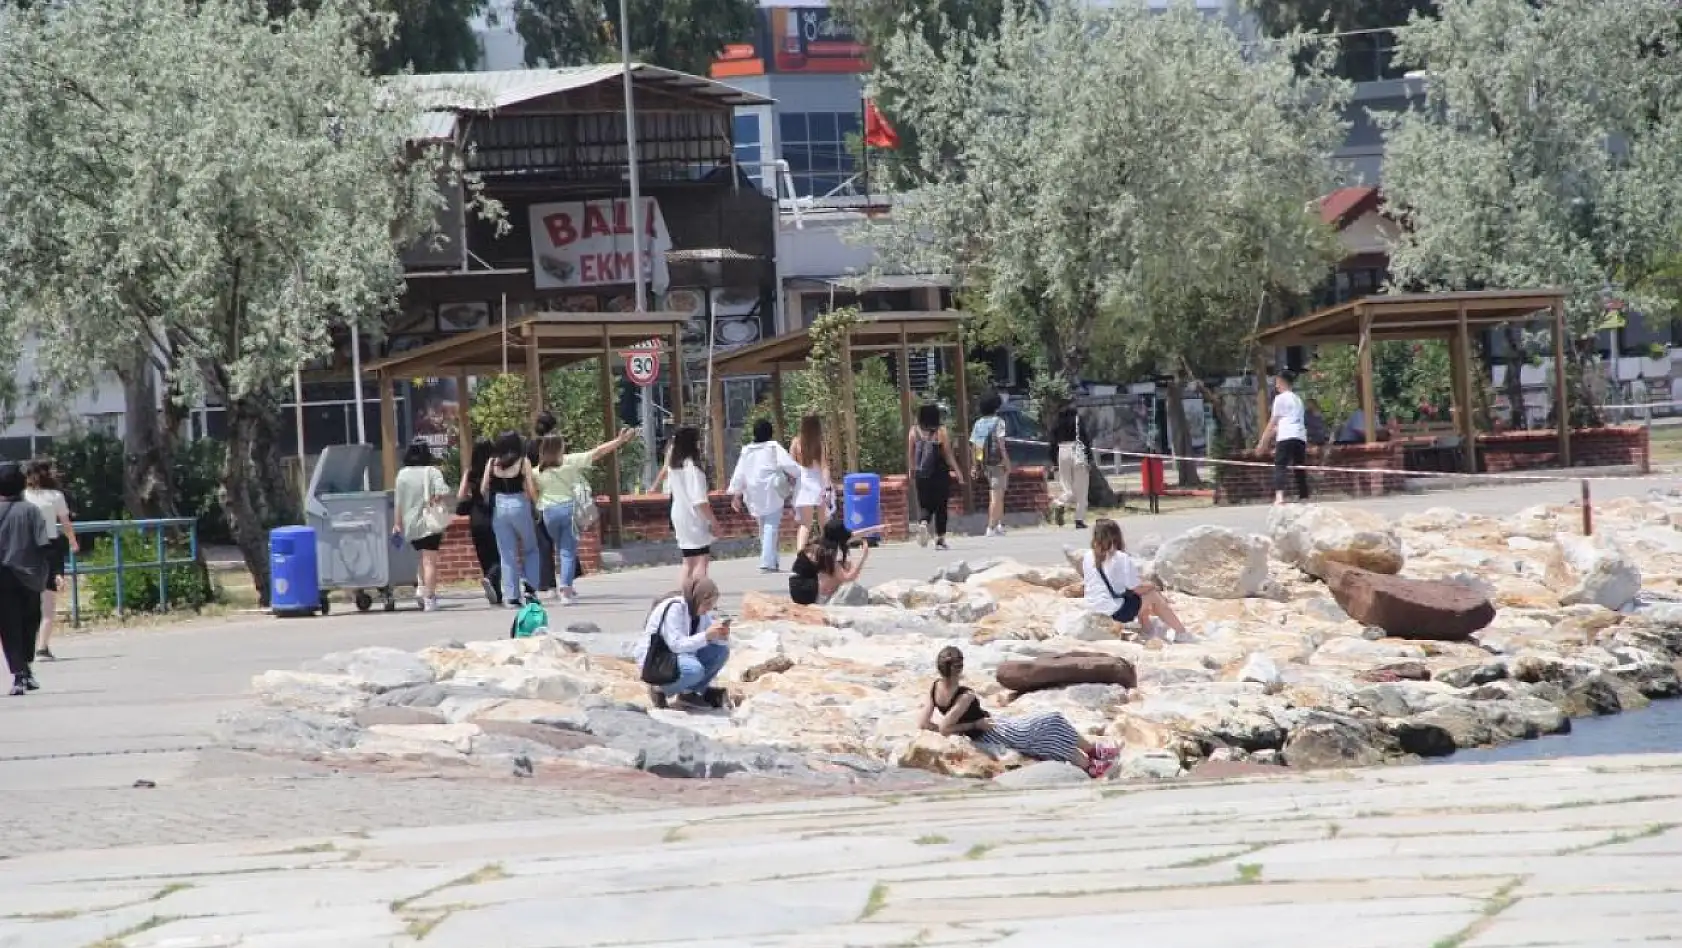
(1547, 152)
(186, 179)
(1090, 164)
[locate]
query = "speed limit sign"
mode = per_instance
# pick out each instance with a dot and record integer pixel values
(642, 366)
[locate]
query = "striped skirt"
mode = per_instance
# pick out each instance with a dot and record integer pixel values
(1047, 736)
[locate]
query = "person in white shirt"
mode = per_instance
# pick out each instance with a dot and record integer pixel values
(693, 521)
(43, 492)
(1289, 433)
(1113, 586)
(686, 623)
(765, 476)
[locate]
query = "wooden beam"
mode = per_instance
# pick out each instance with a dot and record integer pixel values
(1562, 407)
(715, 422)
(849, 399)
(1463, 372)
(610, 428)
(534, 376)
(777, 425)
(388, 431)
(677, 377)
(1369, 402)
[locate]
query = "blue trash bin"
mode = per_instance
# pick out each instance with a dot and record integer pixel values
(294, 584)
(861, 501)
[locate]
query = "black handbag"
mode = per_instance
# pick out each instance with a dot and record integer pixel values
(659, 666)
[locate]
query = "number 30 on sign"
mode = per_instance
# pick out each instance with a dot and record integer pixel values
(642, 366)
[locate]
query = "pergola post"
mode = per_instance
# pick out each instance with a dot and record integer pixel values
(777, 425)
(1463, 374)
(1258, 365)
(534, 373)
(960, 377)
(464, 420)
(1369, 402)
(715, 421)
(849, 396)
(615, 512)
(1562, 408)
(677, 376)
(388, 432)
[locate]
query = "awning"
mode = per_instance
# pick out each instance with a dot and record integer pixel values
(885, 283)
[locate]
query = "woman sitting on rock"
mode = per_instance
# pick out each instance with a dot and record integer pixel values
(686, 622)
(1116, 590)
(822, 567)
(952, 708)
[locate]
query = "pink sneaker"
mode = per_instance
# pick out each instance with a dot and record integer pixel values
(1098, 768)
(1106, 752)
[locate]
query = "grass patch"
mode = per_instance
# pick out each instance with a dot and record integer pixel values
(1497, 903)
(877, 901)
(979, 850)
(139, 928)
(1249, 872)
(305, 850)
(489, 872)
(1214, 858)
(1332, 830)
(1646, 832)
(675, 834)
(423, 925)
(932, 839)
(169, 890)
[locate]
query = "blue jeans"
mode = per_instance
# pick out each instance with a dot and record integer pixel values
(516, 543)
(768, 527)
(557, 522)
(696, 672)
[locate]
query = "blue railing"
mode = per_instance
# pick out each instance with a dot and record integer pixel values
(116, 529)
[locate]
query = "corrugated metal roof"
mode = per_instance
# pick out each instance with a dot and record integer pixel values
(435, 127)
(485, 91)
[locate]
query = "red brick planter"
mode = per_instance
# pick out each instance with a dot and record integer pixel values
(648, 519)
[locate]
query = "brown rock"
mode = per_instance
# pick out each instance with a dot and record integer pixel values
(396, 714)
(1409, 608)
(764, 607)
(558, 738)
(775, 665)
(952, 755)
(1397, 671)
(1058, 671)
(1077, 591)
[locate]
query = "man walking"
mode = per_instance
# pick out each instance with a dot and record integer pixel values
(1289, 433)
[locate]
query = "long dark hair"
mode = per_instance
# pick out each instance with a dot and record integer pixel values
(510, 449)
(39, 475)
(481, 459)
(928, 418)
(686, 446)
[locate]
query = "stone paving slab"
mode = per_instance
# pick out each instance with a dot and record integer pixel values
(1291, 862)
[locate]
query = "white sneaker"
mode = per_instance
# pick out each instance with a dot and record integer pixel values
(569, 599)
(923, 533)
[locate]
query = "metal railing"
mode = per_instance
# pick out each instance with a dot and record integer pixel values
(117, 529)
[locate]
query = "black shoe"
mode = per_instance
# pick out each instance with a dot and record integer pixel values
(30, 683)
(493, 595)
(18, 687)
(1080, 524)
(46, 654)
(1060, 513)
(715, 697)
(656, 698)
(941, 544)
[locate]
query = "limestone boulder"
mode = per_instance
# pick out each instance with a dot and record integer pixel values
(1333, 741)
(850, 594)
(1214, 563)
(1409, 608)
(1309, 535)
(1042, 773)
(376, 669)
(1087, 626)
(766, 607)
(1593, 570)
(951, 755)
(310, 691)
(1079, 668)
(1146, 765)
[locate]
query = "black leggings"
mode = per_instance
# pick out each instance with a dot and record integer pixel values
(1288, 457)
(20, 619)
(932, 495)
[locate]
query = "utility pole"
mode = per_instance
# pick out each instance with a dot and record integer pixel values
(650, 467)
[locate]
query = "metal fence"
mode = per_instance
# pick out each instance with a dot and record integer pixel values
(122, 567)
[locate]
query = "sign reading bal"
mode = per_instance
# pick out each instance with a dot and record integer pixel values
(588, 243)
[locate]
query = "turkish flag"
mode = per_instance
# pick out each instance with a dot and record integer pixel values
(877, 132)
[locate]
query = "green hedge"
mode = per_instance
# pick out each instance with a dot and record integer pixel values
(92, 469)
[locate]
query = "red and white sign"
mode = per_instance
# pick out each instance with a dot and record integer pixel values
(588, 243)
(642, 366)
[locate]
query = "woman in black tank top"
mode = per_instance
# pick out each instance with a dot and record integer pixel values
(511, 494)
(954, 709)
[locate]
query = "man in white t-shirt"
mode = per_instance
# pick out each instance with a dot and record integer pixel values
(1289, 434)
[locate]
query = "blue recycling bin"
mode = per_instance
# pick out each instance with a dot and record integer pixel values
(861, 501)
(294, 584)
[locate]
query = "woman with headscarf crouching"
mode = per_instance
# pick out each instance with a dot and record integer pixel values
(685, 622)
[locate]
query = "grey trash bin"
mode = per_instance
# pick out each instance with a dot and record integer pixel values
(354, 546)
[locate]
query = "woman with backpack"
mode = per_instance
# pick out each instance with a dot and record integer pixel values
(813, 491)
(929, 458)
(764, 477)
(565, 502)
(992, 461)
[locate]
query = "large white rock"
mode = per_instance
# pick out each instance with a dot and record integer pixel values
(1306, 536)
(1087, 626)
(310, 691)
(1594, 570)
(517, 682)
(1215, 563)
(1261, 669)
(377, 669)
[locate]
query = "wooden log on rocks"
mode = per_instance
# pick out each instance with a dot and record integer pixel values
(1432, 610)
(1060, 671)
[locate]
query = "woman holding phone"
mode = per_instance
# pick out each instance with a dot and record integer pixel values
(698, 636)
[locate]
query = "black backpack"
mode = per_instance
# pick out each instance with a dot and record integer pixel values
(926, 458)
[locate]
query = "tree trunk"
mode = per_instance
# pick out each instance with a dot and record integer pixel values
(1516, 361)
(255, 492)
(1179, 433)
(148, 443)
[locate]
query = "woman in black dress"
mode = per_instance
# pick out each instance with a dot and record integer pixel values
(471, 501)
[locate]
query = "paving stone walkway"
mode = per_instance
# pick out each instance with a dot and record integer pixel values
(1546, 854)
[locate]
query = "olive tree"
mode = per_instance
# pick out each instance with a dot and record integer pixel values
(1547, 152)
(195, 192)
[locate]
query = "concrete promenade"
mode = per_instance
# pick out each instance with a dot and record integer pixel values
(213, 850)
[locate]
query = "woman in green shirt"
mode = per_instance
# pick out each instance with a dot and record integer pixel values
(562, 481)
(420, 496)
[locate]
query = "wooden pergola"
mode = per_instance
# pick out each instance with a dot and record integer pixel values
(874, 334)
(533, 344)
(1424, 316)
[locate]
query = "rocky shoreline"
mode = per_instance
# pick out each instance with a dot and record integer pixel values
(1500, 629)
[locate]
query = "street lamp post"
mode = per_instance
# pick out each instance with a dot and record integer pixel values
(649, 467)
